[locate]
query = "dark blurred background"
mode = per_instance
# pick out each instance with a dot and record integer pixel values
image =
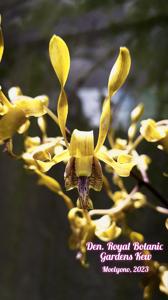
(35, 262)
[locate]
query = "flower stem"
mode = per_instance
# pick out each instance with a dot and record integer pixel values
(55, 119)
(136, 143)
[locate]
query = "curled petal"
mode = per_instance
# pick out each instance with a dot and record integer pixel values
(64, 155)
(122, 166)
(60, 58)
(81, 144)
(105, 229)
(119, 71)
(44, 151)
(82, 148)
(151, 131)
(1, 41)
(45, 166)
(31, 143)
(14, 92)
(32, 106)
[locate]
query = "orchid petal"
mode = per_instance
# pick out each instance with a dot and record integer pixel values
(117, 77)
(151, 131)
(104, 124)
(45, 166)
(122, 166)
(32, 106)
(60, 58)
(11, 122)
(119, 71)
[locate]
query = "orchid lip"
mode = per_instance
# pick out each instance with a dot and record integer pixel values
(83, 189)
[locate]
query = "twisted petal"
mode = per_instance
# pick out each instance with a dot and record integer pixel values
(119, 71)
(1, 41)
(60, 58)
(117, 77)
(62, 111)
(122, 166)
(104, 124)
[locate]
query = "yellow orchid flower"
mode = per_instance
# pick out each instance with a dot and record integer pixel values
(105, 229)
(35, 149)
(15, 114)
(152, 131)
(163, 275)
(83, 229)
(83, 169)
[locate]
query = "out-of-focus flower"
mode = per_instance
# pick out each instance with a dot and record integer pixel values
(138, 199)
(137, 112)
(15, 114)
(163, 275)
(163, 143)
(151, 131)
(83, 230)
(83, 169)
(106, 229)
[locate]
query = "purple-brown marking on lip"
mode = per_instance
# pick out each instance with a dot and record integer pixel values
(83, 189)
